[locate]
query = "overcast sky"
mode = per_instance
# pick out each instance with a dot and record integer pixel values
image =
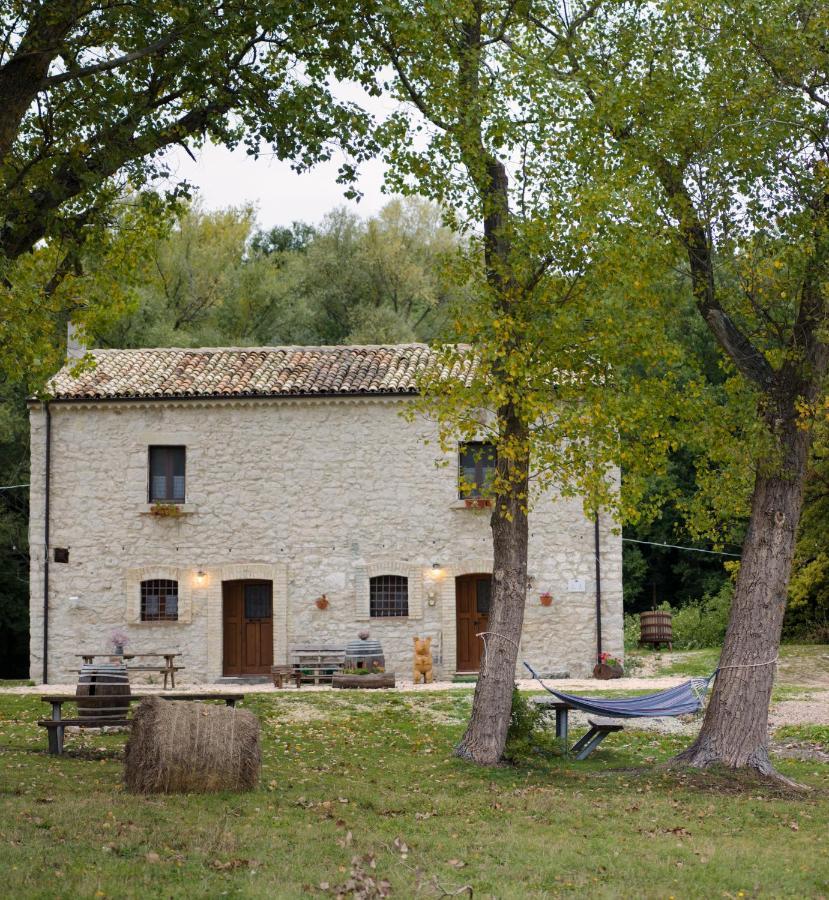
(231, 178)
(281, 196)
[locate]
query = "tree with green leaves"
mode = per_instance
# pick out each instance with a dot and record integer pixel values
(540, 381)
(713, 124)
(211, 278)
(92, 95)
(383, 279)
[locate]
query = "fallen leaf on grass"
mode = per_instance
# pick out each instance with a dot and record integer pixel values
(231, 864)
(457, 863)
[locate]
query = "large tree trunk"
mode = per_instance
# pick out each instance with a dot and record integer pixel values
(735, 729)
(486, 733)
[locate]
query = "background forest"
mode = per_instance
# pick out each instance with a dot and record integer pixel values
(187, 277)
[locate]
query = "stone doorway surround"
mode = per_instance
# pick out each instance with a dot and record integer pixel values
(274, 572)
(477, 565)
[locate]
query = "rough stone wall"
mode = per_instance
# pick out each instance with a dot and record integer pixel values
(315, 495)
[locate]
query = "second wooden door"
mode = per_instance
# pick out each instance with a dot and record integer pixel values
(248, 627)
(472, 594)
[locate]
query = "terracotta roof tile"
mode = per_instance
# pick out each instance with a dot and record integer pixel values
(247, 371)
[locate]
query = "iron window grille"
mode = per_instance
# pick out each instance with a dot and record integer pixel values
(159, 600)
(476, 468)
(258, 601)
(388, 596)
(167, 467)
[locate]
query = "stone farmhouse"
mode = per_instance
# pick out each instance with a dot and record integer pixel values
(232, 503)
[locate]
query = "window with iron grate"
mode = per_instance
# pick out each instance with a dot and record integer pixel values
(159, 600)
(388, 596)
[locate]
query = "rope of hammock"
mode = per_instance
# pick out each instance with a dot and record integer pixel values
(483, 636)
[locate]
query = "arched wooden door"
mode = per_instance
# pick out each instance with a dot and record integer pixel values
(472, 594)
(247, 618)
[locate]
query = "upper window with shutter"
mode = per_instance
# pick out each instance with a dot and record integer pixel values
(166, 480)
(476, 468)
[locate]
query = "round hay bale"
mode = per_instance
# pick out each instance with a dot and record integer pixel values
(183, 747)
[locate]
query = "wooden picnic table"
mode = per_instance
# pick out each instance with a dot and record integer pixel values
(562, 710)
(56, 724)
(599, 728)
(168, 670)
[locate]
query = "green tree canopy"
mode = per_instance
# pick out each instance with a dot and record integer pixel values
(91, 95)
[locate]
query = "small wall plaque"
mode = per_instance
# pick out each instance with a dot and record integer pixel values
(61, 554)
(576, 586)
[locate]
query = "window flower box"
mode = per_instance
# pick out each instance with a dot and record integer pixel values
(166, 510)
(477, 502)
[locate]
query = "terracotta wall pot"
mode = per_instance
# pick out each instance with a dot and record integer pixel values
(606, 672)
(322, 602)
(546, 599)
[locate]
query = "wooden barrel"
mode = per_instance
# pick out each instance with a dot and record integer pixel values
(655, 628)
(103, 680)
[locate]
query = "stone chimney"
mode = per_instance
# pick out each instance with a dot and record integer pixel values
(74, 348)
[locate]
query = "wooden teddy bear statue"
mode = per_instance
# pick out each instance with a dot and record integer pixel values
(423, 660)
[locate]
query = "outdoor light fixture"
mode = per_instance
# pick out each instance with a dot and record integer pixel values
(201, 575)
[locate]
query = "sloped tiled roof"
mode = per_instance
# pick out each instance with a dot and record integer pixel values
(248, 371)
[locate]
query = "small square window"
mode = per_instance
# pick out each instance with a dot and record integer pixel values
(388, 596)
(166, 481)
(159, 600)
(476, 468)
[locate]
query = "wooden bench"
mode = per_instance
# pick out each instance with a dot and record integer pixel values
(317, 663)
(168, 668)
(562, 710)
(599, 730)
(56, 725)
(280, 674)
(166, 671)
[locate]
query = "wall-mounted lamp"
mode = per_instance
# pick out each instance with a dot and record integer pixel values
(201, 578)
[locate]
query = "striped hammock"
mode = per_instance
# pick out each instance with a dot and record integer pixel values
(687, 697)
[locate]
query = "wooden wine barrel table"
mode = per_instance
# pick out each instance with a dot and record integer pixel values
(655, 627)
(99, 688)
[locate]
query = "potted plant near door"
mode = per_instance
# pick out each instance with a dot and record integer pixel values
(608, 667)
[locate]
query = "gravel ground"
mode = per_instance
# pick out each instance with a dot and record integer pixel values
(572, 685)
(813, 709)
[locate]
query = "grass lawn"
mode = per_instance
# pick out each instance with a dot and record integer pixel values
(358, 785)
(799, 663)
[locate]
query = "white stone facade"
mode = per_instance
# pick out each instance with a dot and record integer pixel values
(314, 495)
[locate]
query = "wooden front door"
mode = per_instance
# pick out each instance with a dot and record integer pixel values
(247, 613)
(472, 593)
